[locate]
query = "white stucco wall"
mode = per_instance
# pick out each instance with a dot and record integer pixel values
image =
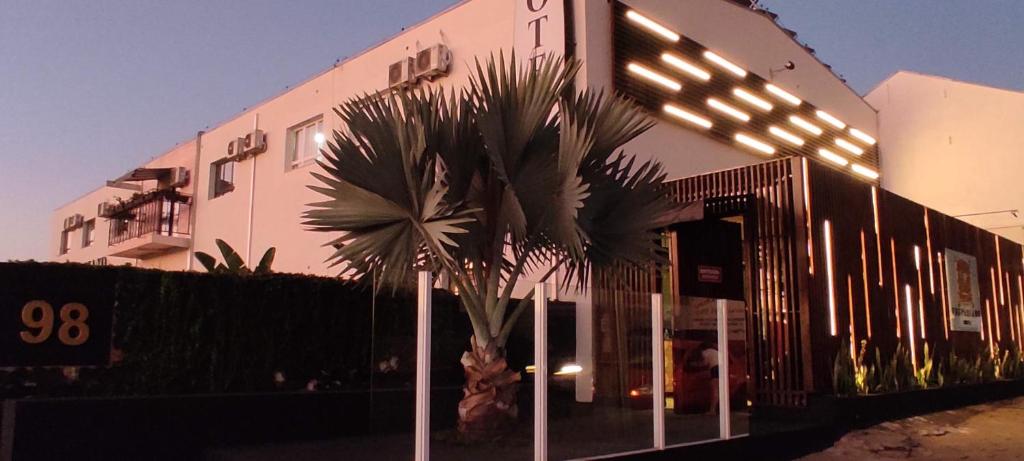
(953, 146)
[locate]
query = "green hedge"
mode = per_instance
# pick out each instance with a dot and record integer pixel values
(186, 332)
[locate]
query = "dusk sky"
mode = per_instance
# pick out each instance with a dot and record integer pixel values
(89, 90)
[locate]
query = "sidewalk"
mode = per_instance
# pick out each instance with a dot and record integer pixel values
(990, 432)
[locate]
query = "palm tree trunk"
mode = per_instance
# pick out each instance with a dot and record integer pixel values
(488, 407)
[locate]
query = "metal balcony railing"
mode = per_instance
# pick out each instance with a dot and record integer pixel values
(160, 214)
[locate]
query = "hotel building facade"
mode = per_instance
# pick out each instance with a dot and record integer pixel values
(798, 246)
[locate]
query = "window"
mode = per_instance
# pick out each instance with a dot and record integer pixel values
(304, 142)
(223, 178)
(88, 232)
(63, 242)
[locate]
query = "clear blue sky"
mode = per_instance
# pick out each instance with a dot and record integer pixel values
(89, 89)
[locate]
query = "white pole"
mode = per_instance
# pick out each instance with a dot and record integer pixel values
(423, 367)
(658, 363)
(723, 370)
(540, 372)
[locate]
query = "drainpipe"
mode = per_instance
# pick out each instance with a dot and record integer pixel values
(195, 201)
(252, 195)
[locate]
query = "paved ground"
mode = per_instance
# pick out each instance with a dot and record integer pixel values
(989, 432)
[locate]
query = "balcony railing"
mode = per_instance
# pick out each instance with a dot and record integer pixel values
(165, 213)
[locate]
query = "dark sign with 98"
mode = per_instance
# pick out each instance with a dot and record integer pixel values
(54, 316)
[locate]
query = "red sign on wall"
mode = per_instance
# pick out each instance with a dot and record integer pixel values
(709, 274)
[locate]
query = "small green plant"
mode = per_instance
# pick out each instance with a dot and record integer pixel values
(233, 263)
(843, 382)
(924, 374)
(864, 374)
(896, 374)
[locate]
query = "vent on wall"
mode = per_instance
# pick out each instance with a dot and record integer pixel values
(73, 222)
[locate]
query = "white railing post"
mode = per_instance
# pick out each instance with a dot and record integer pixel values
(424, 292)
(540, 372)
(724, 429)
(658, 364)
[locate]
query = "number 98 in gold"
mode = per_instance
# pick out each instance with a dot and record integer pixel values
(37, 316)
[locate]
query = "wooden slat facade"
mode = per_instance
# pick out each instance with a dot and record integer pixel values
(795, 324)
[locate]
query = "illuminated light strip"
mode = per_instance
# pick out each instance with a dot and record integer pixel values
(783, 94)
(831, 280)
(790, 137)
(652, 26)
(942, 295)
(991, 344)
(896, 287)
(853, 330)
(654, 76)
(920, 290)
(862, 136)
(830, 119)
(833, 157)
(878, 235)
(865, 171)
(725, 64)
(928, 247)
(999, 269)
(910, 327)
(1020, 307)
(679, 63)
(728, 110)
(1012, 318)
(687, 116)
(807, 209)
(805, 125)
(864, 277)
(755, 144)
(755, 101)
(995, 307)
(849, 147)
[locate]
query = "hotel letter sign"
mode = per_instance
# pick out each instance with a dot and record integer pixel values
(964, 297)
(539, 29)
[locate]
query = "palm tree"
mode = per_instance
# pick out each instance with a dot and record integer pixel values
(513, 175)
(233, 263)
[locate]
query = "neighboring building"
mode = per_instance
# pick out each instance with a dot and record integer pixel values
(954, 146)
(750, 123)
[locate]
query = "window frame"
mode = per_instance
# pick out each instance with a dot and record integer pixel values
(295, 140)
(64, 239)
(88, 233)
(216, 169)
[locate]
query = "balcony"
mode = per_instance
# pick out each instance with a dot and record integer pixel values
(148, 225)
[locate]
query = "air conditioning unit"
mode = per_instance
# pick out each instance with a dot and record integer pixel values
(179, 177)
(433, 61)
(400, 74)
(236, 147)
(73, 222)
(254, 143)
(104, 210)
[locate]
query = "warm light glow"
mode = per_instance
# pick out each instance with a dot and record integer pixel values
(652, 26)
(783, 94)
(910, 327)
(830, 119)
(569, 369)
(896, 287)
(728, 110)
(849, 147)
(995, 307)
(831, 279)
(833, 157)
(654, 77)
(687, 116)
(999, 270)
(942, 294)
(755, 101)
(878, 234)
(755, 144)
(780, 133)
(807, 208)
(928, 243)
(864, 277)
(862, 136)
(319, 138)
(679, 63)
(725, 64)
(865, 171)
(805, 125)
(920, 290)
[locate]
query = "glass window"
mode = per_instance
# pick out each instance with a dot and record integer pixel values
(223, 178)
(63, 242)
(88, 233)
(303, 143)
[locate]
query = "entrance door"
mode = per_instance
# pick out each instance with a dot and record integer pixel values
(705, 322)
